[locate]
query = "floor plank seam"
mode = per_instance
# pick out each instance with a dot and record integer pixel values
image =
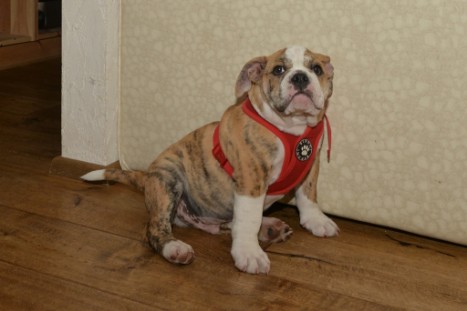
(310, 258)
(410, 244)
(71, 223)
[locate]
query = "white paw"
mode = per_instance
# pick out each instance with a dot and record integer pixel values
(319, 224)
(250, 258)
(178, 252)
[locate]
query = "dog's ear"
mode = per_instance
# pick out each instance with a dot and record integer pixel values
(328, 67)
(251, 73)
(329, 70)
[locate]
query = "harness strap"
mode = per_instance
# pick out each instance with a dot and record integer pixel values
(218, 153)
(293, 170)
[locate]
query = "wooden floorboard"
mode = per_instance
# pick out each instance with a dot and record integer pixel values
(51, 293)
(70, 245)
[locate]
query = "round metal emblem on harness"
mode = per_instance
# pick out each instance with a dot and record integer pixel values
(304, 149)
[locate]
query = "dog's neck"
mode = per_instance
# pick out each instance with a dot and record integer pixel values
(295, 125)
(299, 125)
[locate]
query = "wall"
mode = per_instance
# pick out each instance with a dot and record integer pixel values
(398, 109)
(90, 80)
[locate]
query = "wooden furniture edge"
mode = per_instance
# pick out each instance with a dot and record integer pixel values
(30, 52)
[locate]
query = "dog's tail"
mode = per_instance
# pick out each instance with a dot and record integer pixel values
(136, 179)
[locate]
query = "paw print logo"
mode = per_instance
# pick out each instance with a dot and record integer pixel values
(303, 150)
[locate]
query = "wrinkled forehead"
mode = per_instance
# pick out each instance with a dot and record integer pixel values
(297, 56)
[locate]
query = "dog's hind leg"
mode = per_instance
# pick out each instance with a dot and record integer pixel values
(272, 230)
(162, 192)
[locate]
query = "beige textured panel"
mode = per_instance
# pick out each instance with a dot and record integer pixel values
(398, 111)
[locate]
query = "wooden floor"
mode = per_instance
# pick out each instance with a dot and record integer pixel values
(69, 245)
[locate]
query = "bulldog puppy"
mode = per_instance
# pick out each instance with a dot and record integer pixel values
(223, 175)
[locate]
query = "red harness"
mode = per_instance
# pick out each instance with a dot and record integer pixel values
(300, 151)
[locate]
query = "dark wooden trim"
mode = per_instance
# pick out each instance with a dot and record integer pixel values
(30, 52)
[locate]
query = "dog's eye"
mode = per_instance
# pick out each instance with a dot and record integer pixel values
(278, 70)
(317, 70)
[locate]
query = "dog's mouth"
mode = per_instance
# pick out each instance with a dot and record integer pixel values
(301, 103)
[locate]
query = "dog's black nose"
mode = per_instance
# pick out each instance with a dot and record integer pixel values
(300, 80)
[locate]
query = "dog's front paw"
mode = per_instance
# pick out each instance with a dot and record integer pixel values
(250, 258)
(319, 224)
(178, 252)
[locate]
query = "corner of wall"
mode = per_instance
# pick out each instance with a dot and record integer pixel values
(90, 80)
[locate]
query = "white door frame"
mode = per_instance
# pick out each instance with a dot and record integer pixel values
(90, 80)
